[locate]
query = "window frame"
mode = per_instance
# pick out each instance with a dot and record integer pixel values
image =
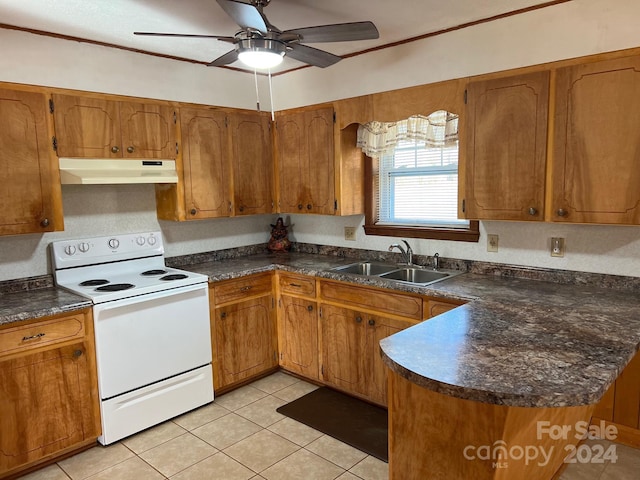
(371, 166)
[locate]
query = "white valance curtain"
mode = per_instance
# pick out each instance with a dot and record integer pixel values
(440, 129)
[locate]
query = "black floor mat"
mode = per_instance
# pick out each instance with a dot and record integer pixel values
(352, 421)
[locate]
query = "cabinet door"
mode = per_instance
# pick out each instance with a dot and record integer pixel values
(46, 404)
(245, 339)
(306, 162)
(343, 348)
(28, 177)
(378, 328)
(205, 163)
(292, 178)
(251, 157)
(87, 127)
(298, 331)
(506, 148)
(596, 178)
(320, 161)
(148, 130)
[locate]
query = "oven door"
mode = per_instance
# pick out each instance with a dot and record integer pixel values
(144, 339)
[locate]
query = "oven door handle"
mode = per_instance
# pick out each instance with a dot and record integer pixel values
(150, 297)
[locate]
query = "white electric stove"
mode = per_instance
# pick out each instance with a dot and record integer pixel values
(152, 329)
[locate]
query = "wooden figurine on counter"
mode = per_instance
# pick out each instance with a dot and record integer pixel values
(279, 241)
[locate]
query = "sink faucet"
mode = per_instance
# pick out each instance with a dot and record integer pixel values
(407, 254)
(436, 261)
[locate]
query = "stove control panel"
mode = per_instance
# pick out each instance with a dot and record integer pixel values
(94, 250)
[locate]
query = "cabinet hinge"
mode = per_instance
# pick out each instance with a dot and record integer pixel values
(226, 121)
(464, 205)
(51, 108)
(334, 117)
(175, 118)
(465, 96)
(54, 143)
(177, 148)
(335, 204)
(279, 303)
(320, 312)
(322, 369)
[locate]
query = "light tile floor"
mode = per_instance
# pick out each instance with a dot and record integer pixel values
(241, 437)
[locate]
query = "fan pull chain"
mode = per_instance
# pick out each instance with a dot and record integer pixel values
(271, 97)
(255, 77)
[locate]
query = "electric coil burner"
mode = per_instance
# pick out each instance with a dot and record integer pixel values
(151, 324)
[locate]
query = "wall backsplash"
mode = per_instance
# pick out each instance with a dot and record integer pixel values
(104, 209)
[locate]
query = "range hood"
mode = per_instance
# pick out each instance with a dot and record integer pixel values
(96, 171)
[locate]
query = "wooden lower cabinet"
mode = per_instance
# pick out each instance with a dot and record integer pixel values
(245, 340)
(48, 391)
(298, 335)
(620, 406)
(351, 357)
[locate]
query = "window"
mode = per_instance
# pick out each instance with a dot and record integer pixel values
(413, 179)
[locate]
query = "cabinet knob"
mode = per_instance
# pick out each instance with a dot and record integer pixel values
(299, 206)
(77, 353)
(115, 149)
(533, 211)
(359, 319)
(562, 212)
(310, 308)
(372, 322)
(44, 222)
(130, 149)
(193, 211)
(241, 208)
(223, 315)
(309, 206)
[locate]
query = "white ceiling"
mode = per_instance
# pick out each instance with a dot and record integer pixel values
(114, 21)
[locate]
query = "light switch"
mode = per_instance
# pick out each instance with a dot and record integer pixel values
(492, 243)
(557, 247)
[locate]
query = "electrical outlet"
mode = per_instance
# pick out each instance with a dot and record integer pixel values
(557, 247)
(350, 233)
(492, 243)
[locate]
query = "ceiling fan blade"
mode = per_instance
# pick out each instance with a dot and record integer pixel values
(225, 59)
(339, 32)
(185, 35)
(245, 15)
(310, 55)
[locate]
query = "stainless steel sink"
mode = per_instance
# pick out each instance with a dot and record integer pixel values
(366, 268)
(415, 275)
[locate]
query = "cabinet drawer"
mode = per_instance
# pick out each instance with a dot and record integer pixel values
(36, 335)
(297, 284)
(436, 307)
(241, 288)
(367, 298)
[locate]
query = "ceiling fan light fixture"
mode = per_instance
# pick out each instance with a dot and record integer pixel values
(261, 53)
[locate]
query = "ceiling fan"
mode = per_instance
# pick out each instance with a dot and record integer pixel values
(259, 44)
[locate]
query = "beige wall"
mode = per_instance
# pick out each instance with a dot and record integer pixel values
(568, 30)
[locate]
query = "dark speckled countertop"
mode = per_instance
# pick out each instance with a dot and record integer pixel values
(42, 302)
(516, 342)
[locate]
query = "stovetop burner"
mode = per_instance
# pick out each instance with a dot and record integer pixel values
(94, 282)
(114, 287)
(174, 276)
(150, 273)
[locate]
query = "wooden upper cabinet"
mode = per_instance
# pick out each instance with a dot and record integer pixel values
(94, 127)
(205, 159)
(506, 148)
(148, 130)
(596, 178)
(252, 166)
(30, 193)
(305, 154)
